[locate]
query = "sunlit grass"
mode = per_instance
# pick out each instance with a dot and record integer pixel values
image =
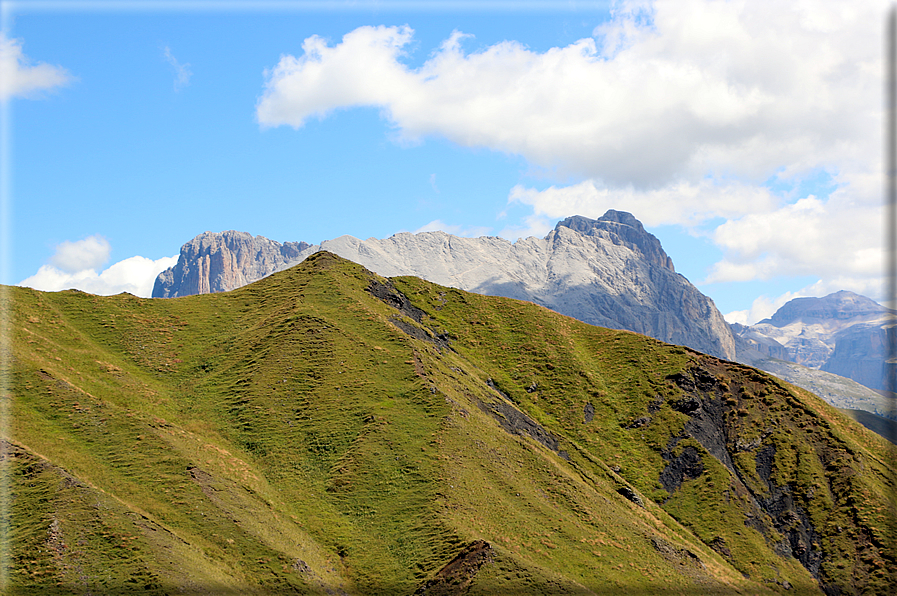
(288, 437)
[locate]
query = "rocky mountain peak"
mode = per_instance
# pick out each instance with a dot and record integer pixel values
(842, 333)
(607, 271)
(584, 224)
(623, 228)
(222, 261)
(837, 306)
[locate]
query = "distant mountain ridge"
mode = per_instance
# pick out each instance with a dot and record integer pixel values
(608, 271)
(222, 262)
(842, 333)
(834, 310)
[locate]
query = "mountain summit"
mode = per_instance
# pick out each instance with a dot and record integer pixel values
(221, 262)
(835, 311)
(842, 333)
(623, 226)
(608, 271)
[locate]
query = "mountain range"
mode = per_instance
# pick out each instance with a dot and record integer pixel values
(326, 430)
(608, 271)
(842, 333)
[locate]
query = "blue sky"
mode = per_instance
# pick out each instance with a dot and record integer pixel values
(746, 136)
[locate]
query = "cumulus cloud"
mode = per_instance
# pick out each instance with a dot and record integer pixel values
(683, 203)
(182, 72)
(702, 88)
(709, 114)
(831, 238)
(362, 70)
(135, 275)
(20, 78)
(76, 264)
(90, 253)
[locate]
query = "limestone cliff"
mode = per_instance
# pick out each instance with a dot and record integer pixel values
(842, 333)
(607, 271)
(221, 262)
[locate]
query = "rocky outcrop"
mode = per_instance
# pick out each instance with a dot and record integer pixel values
(607, 271)
(747, 339)
(221, 262)
(458, 575)
(709, 402)
(842, 333)
(860, 353)
(837, 390)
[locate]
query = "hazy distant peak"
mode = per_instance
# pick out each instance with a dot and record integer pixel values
(839, 305)
(842, 333)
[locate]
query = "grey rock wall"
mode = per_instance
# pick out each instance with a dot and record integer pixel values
(220, 262)
(842, 333)
(607, 271)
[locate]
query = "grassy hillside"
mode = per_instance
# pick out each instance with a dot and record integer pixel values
(329, 431)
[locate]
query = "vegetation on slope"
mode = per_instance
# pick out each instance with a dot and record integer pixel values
(326, 430)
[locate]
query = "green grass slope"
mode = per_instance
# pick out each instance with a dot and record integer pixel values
(329, 431)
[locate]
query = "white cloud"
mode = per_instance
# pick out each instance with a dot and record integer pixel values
(90, 253)
(682, 202)
(182, 72)
(452, 229)
(135, 275)
(19, 78)
(362, 70)
(831, 238)
(726, 87)
(679, 112)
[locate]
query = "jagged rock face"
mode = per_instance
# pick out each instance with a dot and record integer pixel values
(842, 333)
(625, 227)
(221, 262)
(608, 272)
(860, 353)
(773, 508)
(747, 339)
